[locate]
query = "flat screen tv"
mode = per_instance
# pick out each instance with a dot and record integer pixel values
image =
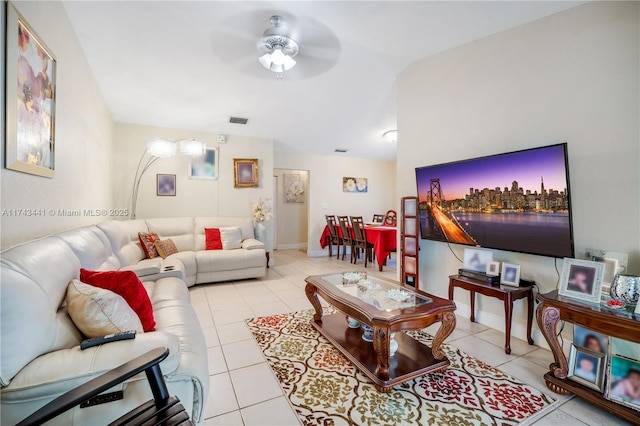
(518, 201)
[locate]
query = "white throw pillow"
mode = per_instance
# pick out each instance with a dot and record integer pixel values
(98, 312)
(231, 237)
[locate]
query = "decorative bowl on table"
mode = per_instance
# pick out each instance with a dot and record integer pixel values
(398, 295)
(625, 288)
(368, 285)
(351, 278)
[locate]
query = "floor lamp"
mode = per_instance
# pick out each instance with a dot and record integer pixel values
(161, 148)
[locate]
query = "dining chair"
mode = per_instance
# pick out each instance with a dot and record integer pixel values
(334, 237)
(347, 239)
(378, 218)
(391, 218)
(360, 240)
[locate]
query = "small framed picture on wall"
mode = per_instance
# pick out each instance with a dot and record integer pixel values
(166, 185)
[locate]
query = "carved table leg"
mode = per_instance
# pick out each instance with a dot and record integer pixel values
(548, 318)
(446, 328)
(472, 317)
(381, 348)
(529, 315)
(508, 313)
(312, 294)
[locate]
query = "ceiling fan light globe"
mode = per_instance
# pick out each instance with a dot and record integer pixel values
(277, 67)
(278, 57)
(265, 60)
(288, 63)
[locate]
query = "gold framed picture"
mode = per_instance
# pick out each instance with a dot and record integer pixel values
(245, 173)
(30, 99)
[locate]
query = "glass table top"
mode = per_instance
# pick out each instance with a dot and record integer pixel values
(380, 294)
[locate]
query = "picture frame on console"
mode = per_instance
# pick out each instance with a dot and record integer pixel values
(510, 274)
(591, 340)
(587, 367)
(623, 386)
(581, 280)
(493, 269)
(245, 173)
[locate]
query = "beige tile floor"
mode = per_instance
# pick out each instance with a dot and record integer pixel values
(244, 391)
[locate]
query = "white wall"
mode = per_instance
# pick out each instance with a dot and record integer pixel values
(193, 197)
(293, 218)
(325, 189)
(84, 139)
(570, 77)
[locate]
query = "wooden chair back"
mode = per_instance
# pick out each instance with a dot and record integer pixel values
(331, 224)
(359, 235)
(344, 227)
(391, 218)
(378, 218)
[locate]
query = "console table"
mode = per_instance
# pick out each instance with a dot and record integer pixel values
(505, 293)
(554, 308)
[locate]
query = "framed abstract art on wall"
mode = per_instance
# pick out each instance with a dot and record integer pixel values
(30, 99)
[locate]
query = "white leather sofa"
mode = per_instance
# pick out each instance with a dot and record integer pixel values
(40, 357)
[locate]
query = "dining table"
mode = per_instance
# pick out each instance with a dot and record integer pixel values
(382, 237)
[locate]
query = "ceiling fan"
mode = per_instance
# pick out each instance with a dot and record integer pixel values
(296, 46)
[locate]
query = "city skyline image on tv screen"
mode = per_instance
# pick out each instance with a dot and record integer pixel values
(518, 201)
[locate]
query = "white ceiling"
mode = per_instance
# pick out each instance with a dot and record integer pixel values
(159, 63)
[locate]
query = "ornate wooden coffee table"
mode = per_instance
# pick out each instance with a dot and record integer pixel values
(387, 307)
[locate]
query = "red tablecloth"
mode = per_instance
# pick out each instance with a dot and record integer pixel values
(383, 239)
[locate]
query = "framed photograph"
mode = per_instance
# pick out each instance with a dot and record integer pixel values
(592, 340)
(587, 367)
(510, 274)
(166, 185)
(294, 187)
(624, 382)
(493, 269)
(204, 166)
(30, 99)
(476, 260)
(353, 184)
(581, 279)
(245, 173)
(625, 348)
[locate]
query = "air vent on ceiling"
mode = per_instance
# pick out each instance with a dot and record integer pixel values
(238, 120)
(341, 150)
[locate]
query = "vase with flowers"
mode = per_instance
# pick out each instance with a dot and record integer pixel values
(262, 212)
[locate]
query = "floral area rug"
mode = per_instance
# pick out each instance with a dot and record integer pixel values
(326, 389)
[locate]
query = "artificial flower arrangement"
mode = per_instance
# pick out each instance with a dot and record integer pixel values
(262, 211)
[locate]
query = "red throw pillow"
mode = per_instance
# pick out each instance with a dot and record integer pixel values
(148, 242)
(128, 285)
(212, 239)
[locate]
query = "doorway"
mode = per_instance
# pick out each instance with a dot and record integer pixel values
(292, 205)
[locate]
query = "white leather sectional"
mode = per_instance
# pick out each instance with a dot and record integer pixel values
(40, 356)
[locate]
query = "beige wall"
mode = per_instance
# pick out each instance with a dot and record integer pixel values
(193, 197)
(570, 77)
(292, 218)
(325, 189)
(84, 140)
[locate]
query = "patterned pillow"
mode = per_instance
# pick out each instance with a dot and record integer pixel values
(148, 242)
(98, 312)
(166, 248)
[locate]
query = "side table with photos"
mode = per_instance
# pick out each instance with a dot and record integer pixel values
(604, 364)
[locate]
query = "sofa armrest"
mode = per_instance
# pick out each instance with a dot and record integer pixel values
(74, 366)
(147, 362)
(145, 268)
(252, 244)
